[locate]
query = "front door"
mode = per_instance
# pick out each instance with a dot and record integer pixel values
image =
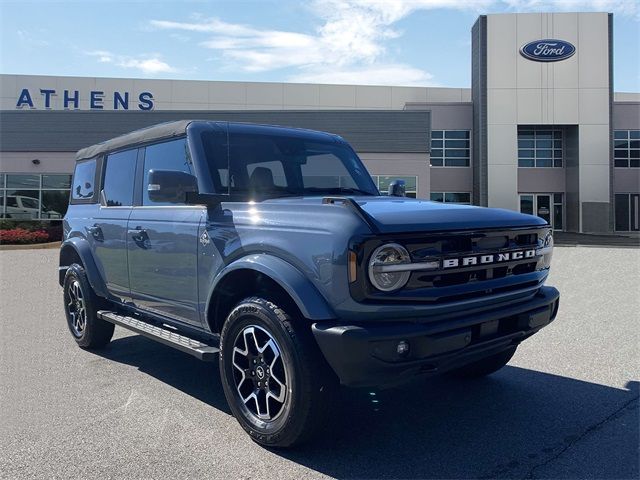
(543, 207)
(548, 206)
(634, 210)
(163, 243)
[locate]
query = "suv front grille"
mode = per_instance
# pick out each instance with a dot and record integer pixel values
(453, 284)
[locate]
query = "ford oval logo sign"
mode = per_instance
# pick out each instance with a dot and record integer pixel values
(547, 50)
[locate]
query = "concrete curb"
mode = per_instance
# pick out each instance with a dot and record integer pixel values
(33, 246)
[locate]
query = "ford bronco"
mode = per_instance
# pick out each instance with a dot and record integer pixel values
(271, 251)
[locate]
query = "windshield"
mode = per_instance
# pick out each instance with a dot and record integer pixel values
(268, 166)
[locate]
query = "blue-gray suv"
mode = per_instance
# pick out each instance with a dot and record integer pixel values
(272, 250)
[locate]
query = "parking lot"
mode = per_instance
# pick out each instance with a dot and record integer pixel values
(565, 407)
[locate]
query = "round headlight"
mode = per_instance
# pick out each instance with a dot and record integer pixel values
(546, 249)
(385, 271)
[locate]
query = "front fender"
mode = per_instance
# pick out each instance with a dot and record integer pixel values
(83, 249)
(306, 296)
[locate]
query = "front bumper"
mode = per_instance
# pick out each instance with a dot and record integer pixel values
(366, 354)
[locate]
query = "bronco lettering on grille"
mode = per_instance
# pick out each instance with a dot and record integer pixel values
(487, 258)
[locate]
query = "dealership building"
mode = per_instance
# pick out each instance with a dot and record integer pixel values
(540, 130)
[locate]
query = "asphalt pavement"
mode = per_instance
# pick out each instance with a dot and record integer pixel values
(565, 407)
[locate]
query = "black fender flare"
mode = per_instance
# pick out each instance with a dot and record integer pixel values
(304, 293)
(83, 250)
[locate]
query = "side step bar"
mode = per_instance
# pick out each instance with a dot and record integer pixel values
(202, 351)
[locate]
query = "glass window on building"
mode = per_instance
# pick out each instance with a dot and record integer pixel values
(383, 182)
(34, 196)
(626, 148)
(451, 197)
(540, 147)
(627, 212)
(548, 206)
(450, 148)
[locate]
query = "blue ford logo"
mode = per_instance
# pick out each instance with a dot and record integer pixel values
(547, 50)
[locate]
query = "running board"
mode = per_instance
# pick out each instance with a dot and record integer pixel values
(202, 351)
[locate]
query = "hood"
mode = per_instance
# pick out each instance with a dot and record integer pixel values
(398, 215)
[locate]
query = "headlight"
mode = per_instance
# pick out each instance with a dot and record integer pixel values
(545, 248)
(385, 271)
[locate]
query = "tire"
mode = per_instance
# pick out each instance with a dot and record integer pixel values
(81, 306)
(274, 377)
(484, 367)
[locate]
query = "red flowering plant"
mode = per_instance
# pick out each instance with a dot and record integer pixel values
(22, 236)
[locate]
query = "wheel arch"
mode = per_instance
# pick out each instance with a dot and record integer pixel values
(77, 250)
(264, 274)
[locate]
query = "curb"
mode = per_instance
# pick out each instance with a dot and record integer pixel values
(33, 246)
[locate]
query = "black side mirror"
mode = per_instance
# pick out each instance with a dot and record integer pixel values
(170, 186)
(397, 189)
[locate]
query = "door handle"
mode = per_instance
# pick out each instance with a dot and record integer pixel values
(96, 232)
(139, 235)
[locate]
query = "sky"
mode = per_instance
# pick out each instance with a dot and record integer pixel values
(378, 42)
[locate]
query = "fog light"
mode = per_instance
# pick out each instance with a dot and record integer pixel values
(403, 348)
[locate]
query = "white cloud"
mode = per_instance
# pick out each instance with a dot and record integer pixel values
(348, 47)
(377, 74)
(349, 44)
(150, 64)
(27, 38)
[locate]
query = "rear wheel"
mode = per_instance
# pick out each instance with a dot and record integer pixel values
(81, 306)
(274, 377)
(486, 366)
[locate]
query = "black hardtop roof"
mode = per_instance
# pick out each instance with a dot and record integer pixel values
(179, 127)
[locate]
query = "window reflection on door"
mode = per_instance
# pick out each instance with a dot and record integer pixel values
(543, 207)
(547, 206)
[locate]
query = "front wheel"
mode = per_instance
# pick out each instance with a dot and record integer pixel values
(484, 367)
(81, 306)
(274, 377)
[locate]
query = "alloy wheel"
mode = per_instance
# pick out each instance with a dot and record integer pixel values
(76, 308)
(260, 373)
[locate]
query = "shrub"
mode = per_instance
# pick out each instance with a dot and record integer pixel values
(23, 236)
(53, 229)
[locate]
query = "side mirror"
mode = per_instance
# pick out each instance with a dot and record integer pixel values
(170, 186)
(397, 189)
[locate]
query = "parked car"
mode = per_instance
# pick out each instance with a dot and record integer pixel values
(271, 251)
(22, 207)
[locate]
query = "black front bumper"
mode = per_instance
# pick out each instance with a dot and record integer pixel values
(366, 354)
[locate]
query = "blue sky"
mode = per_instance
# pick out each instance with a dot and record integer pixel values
(392, 42)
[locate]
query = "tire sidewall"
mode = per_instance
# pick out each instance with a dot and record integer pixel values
(249, 313)
(76, 273)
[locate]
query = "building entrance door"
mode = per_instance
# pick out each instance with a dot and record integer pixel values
(548, 206)
(634, 202)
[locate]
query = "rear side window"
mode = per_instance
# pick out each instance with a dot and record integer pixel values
(173, 155)
(119, 176)
(84, 179)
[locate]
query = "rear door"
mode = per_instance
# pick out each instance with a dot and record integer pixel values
(108, 231)
(163, 242)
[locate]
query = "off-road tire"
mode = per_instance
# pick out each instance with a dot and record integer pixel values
(486, 366)
(95, 332)
(309, 381)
